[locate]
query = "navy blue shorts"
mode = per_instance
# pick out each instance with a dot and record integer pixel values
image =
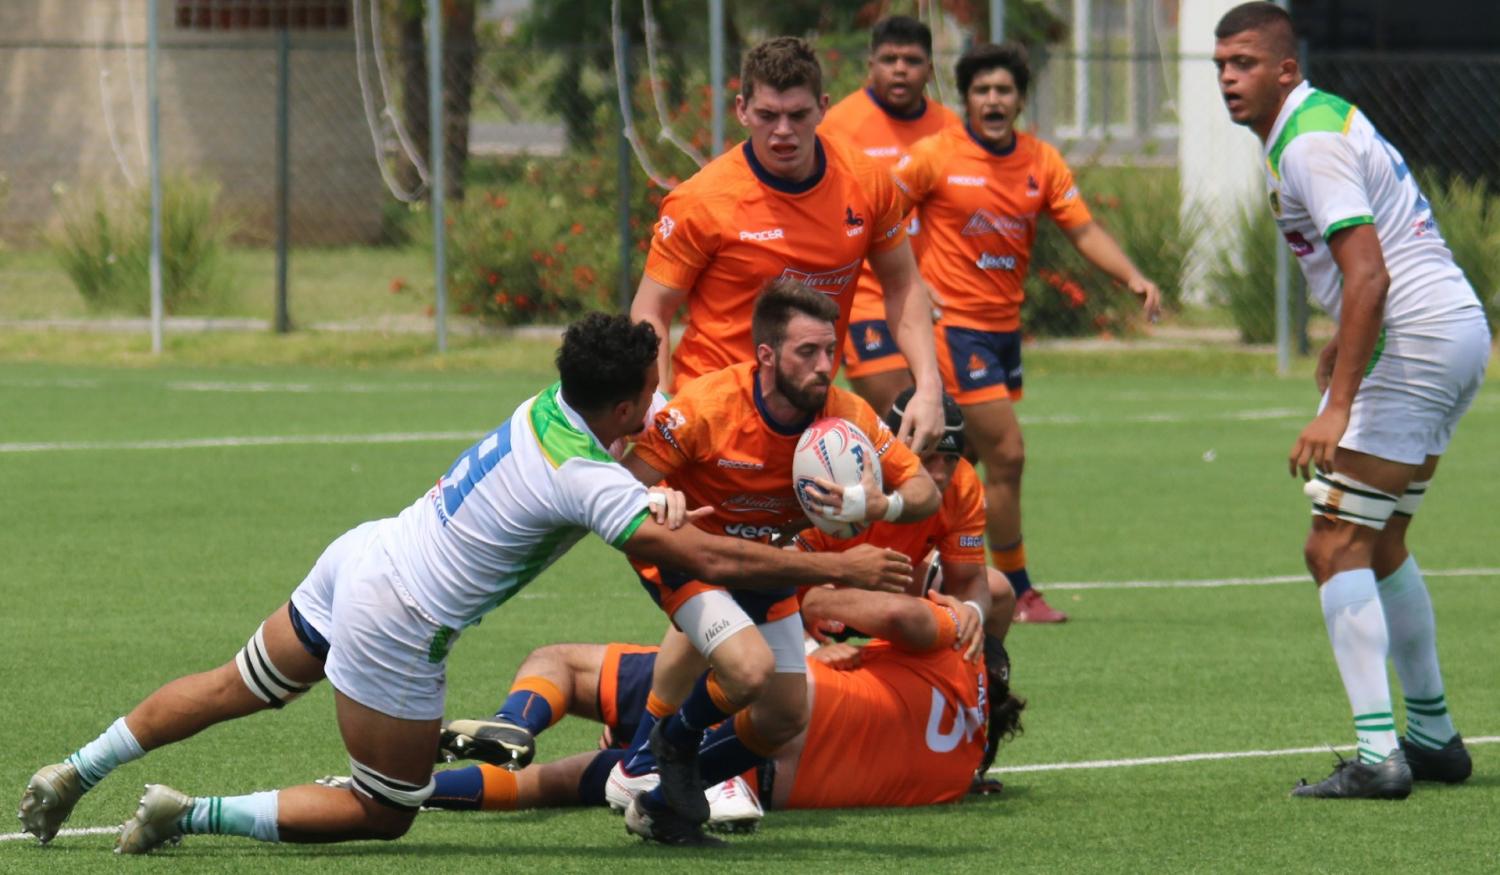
(979, 366)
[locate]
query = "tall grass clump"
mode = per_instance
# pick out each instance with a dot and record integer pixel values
(1468, 214)
(1244, 276)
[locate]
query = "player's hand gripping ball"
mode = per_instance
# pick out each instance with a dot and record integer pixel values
(834, 449)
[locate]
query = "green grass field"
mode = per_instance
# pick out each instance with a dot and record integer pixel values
(130, 558)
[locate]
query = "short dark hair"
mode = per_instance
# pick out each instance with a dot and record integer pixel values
(900, 30)
(1267, 18)
(780, 300)
(1009, 55)
(782, 63)
(603, 360)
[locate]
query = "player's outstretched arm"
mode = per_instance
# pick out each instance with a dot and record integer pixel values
(908, 310)
(655, 304)
(905, 621)
(741, 564)
(967, 590)
(1095, 244)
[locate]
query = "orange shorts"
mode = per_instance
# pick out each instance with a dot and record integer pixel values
(671, 589)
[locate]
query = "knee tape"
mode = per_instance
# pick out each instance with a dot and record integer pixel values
(261, 677)
(1412, 499)
(1337, 497)
(387, 790)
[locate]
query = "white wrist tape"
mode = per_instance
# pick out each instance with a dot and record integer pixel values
(853, 510)
(977, 609)
(895, 507)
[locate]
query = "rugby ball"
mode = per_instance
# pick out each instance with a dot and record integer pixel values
(834, 449)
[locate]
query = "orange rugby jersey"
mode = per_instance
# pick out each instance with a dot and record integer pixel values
(956, 530)
(931, 707)
(861, 121)
(714, 443)
(979, 211)
(731, 227)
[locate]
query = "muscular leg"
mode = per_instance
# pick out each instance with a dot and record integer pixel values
(881, 389)
(1002, 604)
(552, 681)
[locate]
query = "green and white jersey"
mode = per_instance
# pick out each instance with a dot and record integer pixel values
(510, 506)
(1327, 169)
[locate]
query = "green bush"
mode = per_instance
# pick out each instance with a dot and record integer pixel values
(105, 248)
(1468, 214)
(1244, 279)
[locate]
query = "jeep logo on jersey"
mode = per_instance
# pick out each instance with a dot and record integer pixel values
(1300, 245)
(750, 532)
(762, 236)
(665, 226)
(986, 222)
(986, 261)
(829, 282)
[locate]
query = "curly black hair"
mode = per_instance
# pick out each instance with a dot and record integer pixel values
(604, 359)
(1009, 55)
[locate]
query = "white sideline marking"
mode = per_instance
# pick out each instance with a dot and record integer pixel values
(1210, 583)
(1193, 758)
(304, 388)
(1252, 415)
(63, 833)
(248, 441)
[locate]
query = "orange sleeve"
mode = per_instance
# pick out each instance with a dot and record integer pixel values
(888, 205)
(1064, 203)
(675, 436)
(683, 242)
(963, 518)
(915, 175)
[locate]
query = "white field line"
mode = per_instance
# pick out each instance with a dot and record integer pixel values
(63, 833)
(1192, 758)
(247, 441)
(1211, 583)
(309, 388)
(1250, 415)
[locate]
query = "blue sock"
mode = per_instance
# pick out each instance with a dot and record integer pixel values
(458, 789)
(698, 712)
(1020, 581)
(528, 709)
(638, 757)
(724, 755)
(596, 774)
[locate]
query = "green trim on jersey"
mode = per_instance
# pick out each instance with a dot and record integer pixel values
(629, 530)
(1350, 222)
(1375, 356)
(1321, 112)
(558, 438)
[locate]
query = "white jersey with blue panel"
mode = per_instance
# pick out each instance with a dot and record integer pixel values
(510, 506)
(1327, 169)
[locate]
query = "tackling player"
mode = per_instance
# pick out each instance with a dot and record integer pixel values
(381, 609)
(1407, 360)
(786, 203)
(980, 190)
(883, 120)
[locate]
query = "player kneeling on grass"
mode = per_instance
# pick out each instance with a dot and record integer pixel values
(919, 688)
(386, 601)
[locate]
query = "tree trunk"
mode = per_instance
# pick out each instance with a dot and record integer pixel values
(460, 55)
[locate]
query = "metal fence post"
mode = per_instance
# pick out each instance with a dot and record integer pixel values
(283, 173)
(1283, 317)
(153, 103)
(437, 183)
(716, 74)
(997, 21)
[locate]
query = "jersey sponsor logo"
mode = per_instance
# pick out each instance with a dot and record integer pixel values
(751, 502)
(1424, 226)
(892, 231)
(967, 723)
(668, 421)
(665, 226)
(1032, 189)
(913, 228)
(873, 340)
(738, 465)
(987, 222)
(971, 540)
(901, 165)
(715, 629)
(763, 236)
(1070, 193)
(967, 181)
(1275, 198)
(986, 261)
(883, 151)
(829, 282)
(750, 532)
(977, 368)
(1300, 245)
(854, 224)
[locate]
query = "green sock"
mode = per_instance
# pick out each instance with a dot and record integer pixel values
(252, 816)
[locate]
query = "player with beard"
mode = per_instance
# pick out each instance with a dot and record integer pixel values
(979, 190)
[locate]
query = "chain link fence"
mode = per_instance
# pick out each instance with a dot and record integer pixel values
(322, 112)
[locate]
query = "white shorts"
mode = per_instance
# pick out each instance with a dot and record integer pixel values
(1423, 380)
(384, 651)
(709, 618)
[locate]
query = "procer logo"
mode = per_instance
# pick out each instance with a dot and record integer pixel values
(763, 236)
(986, 261)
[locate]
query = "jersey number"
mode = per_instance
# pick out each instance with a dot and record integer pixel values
(967, 722)
(1402, 172)
(471, 467)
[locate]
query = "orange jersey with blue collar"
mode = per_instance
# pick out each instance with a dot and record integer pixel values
(864, 123)
(979, 209)
(956, 530)
(733, 226)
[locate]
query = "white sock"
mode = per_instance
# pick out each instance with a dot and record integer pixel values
(112, 749)
(252, 816)
(1413, 636)
(1356, 629)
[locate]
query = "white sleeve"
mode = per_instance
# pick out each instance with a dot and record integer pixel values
(1322, 171)
(602, 497)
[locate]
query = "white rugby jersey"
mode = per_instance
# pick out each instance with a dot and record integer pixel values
(1327, 169)
(511, 505)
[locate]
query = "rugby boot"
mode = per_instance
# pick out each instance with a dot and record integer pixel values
(48, 800)
(732, 808)
(621, 787)
(155, 821)
(1032, 608)
(497, 742)
(681, 783)
(1449, 764)
(1352, 779)
(666, 826)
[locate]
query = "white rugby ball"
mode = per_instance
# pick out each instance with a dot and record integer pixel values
(834, 449)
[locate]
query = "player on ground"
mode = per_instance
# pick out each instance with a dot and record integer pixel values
(910, 690)
(980, 190)
(1408, 357)
(883, 120)
(386, 601)
(785, 203)
(727, 441)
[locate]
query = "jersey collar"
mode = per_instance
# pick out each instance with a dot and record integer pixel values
(575, 418)
(765, 415)
(891, 111)
(1015, 138)
(1289, 106)
(782, 185)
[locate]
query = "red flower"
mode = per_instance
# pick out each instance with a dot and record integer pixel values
(523, 302)
(494, 279)
(502, 299)
(584, 276)
(560, 247)
(576, 230)
(398, 285)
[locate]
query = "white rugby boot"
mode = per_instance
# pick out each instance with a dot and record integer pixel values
(620, 789)
(155, 821)
(48, 800)
(732, 807)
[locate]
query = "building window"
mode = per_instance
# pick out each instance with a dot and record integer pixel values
(237, 15)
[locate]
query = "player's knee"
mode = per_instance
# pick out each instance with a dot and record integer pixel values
(387, 824)
(1002, 596)
(1004, 461)
(746, 679)
(390, 805)
(778, 725)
